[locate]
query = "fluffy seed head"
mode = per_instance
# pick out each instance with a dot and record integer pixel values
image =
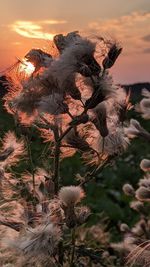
(112, 56)
(39, 241)
(134, 129)
(137, 205)
(145, 165)
(17, 148)
(128, 190)
(71, 195)
(143, 193)
(124, 227)
(82, 214)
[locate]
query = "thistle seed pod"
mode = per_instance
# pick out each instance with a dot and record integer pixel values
(71, 195)
(145, 165)
(101, 120)
(77, 142)
(128, 190)
(124, 227)
(112, 56)
(143, 193)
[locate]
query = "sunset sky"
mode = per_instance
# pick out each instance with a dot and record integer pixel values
(31, 23)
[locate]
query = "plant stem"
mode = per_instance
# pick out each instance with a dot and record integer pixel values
(60, 253)
(89, 176)
(31, 163)
(56, 166)
(73, 239)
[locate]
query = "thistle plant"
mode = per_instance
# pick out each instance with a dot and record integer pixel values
(69, 97)
(136, 241)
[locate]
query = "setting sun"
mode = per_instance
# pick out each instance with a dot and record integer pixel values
(27, 67)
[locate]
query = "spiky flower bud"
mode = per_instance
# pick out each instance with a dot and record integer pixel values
(143, 193)
(145, 165)
(128, 190)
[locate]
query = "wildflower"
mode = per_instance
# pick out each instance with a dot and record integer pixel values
(128, 190)
(101, 119)
(145, 181)
(115, 143)
(143, 193)
(71, 195)
(55, 211)
(112, 56)
(145, 165)
(138, 229)
(82, 214)
(135, 129)
(103, 89)
(6, 153)
(52, 104)
(76, 141)
(137, 205)
(62, 41)
(39, 241)
(124, 227)
(38, 58)
(124, 106)
(144, 106)
(13, 148)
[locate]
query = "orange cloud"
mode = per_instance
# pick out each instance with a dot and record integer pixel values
(32, 29)
(128, 29)
(52, 22)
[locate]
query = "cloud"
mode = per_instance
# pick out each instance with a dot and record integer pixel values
(31, 29)
(146, 38)
(128, 29)
(53, 22)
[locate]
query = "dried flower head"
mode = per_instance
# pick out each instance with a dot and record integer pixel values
(40, 241)
(134, 129)
(145, 165)
(82, 214)
(113, 53)
(137, 205)
(144, 106)
(124, 227)
(71, 195)
(128, 190)
(15, 149)
(143, 193)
